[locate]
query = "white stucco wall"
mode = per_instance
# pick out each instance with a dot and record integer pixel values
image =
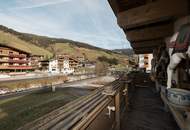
(53, 66)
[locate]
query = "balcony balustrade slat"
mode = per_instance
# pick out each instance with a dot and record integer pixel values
(16, 67)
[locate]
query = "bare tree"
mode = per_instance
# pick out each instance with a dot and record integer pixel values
(101, 68)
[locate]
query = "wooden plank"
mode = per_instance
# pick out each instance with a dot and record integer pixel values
(152, 12)
(128, 4)
(149, 33)
(147, 44)
(143, 50)
(114, 5)
(117, 111)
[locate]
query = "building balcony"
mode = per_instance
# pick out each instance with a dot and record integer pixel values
(12, 67)
(18, 61)
(13, 55)
(4, 55)
(3, 60)
(17, 55)
(74, 63)
(14, 61)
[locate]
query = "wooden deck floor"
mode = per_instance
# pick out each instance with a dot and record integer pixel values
(146, 109)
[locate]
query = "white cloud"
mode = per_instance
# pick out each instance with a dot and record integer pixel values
(88, 21)
(29, 4)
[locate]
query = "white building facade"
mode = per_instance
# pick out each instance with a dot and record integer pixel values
(53, 66)
(60, 66)
(145, 61)
(66, 69)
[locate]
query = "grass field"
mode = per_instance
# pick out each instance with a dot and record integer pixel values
(17, 111)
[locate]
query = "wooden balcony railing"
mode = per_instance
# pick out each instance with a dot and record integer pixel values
(18, 61)
(13, 55)
(16, 67)
(17, 55)
(14, 61)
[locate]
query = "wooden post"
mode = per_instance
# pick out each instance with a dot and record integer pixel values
(53, 87)
(126, 95)
(117, 112)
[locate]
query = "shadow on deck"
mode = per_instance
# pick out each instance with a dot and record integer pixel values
(146, 109)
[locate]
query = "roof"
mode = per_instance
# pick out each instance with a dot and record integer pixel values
(68, 56)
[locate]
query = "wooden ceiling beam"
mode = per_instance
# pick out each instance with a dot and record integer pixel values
(160, 10)
(147, 44)
(143, 51)
(150, 33)
(115, 6)
(128, 4)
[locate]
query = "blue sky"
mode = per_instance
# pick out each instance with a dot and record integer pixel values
(90, 21)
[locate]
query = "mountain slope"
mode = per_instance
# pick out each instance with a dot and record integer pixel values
(12, 41)
(91, 54)
(124, 51)
(50, 46)
(44, 41)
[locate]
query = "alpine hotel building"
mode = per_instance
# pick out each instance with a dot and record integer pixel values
(14, 60)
